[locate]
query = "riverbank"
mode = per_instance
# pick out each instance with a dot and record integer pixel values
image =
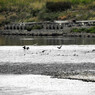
(45, 10)
(81, 31)
(49, 33)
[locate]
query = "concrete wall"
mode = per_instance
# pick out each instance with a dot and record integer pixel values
(49, 25)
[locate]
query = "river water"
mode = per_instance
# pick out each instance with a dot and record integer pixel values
(45, 40)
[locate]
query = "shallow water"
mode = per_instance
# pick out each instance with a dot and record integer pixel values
(43, 85)
(45, 40)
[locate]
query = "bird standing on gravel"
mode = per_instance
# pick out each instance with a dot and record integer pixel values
(59, 47)
(24, 47)
(27, 48)
(43, 51)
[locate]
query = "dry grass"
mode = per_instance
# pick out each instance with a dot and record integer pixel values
(2, 18)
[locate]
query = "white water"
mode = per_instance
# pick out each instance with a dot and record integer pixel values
(43, 85)
(67, 54)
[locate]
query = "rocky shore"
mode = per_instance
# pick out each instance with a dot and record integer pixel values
(84, 72)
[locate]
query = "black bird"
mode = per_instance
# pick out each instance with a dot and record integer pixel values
(27, 48)
(59, 47)
(43, 51)
(24, 47)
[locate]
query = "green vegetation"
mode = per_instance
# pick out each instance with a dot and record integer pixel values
(40, 10)
(58, 6)
(90, 30)
(34, 27)
(79, 30)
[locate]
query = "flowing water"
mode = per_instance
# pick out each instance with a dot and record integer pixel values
(45, 40)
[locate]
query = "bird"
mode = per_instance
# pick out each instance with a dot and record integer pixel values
(24, 47)
(27, 48)
(59, 47)
(43, 51)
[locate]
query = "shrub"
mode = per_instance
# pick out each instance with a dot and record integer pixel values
(49, 16)
(34, 12)
(58, 6)
(29, 28)
(37, 27)
(91, 30)
(75, 30)
(79, 30)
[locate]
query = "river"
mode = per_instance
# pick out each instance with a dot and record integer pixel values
(45, 40)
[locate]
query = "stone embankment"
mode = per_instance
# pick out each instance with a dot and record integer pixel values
(55, 28)
(47, 33)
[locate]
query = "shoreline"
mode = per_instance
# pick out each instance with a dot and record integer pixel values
(51, 34)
